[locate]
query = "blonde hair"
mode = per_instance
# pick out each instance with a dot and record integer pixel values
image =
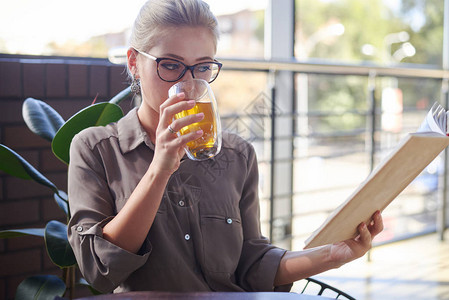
(158, 15)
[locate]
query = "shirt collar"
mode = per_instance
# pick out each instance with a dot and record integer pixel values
(131, 133)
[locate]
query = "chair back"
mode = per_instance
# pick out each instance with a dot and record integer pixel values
(324, 289)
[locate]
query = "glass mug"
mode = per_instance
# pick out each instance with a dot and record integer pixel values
(209, 144)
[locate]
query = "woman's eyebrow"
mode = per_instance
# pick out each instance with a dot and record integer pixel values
(205, 58)
(173, 56)
(182, 58)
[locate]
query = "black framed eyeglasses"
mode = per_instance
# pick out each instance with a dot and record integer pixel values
(171, 70)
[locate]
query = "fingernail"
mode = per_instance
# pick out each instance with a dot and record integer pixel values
(180, 95)
(200, 115)
(191, 102)
(199, 132)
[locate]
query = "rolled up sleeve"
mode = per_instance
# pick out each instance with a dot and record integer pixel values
(260, 260)
(103, 264)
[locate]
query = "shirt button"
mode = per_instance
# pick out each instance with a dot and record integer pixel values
(187, 237)
(229, 221)
(181, 203)
(79, 228)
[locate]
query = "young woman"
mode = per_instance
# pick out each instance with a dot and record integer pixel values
(146, 218)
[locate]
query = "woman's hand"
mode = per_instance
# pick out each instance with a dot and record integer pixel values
(351, 249)
(169, 148)
(296, 265)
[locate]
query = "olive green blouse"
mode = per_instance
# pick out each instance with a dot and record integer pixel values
(206, 234)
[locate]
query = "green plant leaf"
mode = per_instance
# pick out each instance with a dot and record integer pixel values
(11, 163)
(12, 233)
(40, 287)
(99, 114)
(15, 165)
(41, 118)
(58, 246)
(121, 96)
(61, 199)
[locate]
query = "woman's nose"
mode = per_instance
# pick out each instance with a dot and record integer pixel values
(188, 75)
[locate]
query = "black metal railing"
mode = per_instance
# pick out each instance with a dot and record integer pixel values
(281, 228)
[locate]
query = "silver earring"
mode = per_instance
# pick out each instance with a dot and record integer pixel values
(135, 86)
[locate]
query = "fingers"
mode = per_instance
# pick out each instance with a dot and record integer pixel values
(357, 247)
(169, 146)
(367, 233)
(377, 225)
(175, 108)
(167, 128)
(172, 106)
(182, 140)
(190, 119)
(172, 100)
(365, 236)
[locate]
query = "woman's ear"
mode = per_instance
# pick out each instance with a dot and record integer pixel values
(132, 61)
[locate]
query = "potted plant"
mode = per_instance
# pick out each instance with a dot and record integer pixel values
(44, 121)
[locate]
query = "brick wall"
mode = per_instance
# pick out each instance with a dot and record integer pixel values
(68, 85)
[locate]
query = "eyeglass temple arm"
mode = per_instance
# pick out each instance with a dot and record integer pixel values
(146, 54)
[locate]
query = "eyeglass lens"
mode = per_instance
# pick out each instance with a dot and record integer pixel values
(172, 70)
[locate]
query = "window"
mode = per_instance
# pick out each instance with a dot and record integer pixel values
(380, 31)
